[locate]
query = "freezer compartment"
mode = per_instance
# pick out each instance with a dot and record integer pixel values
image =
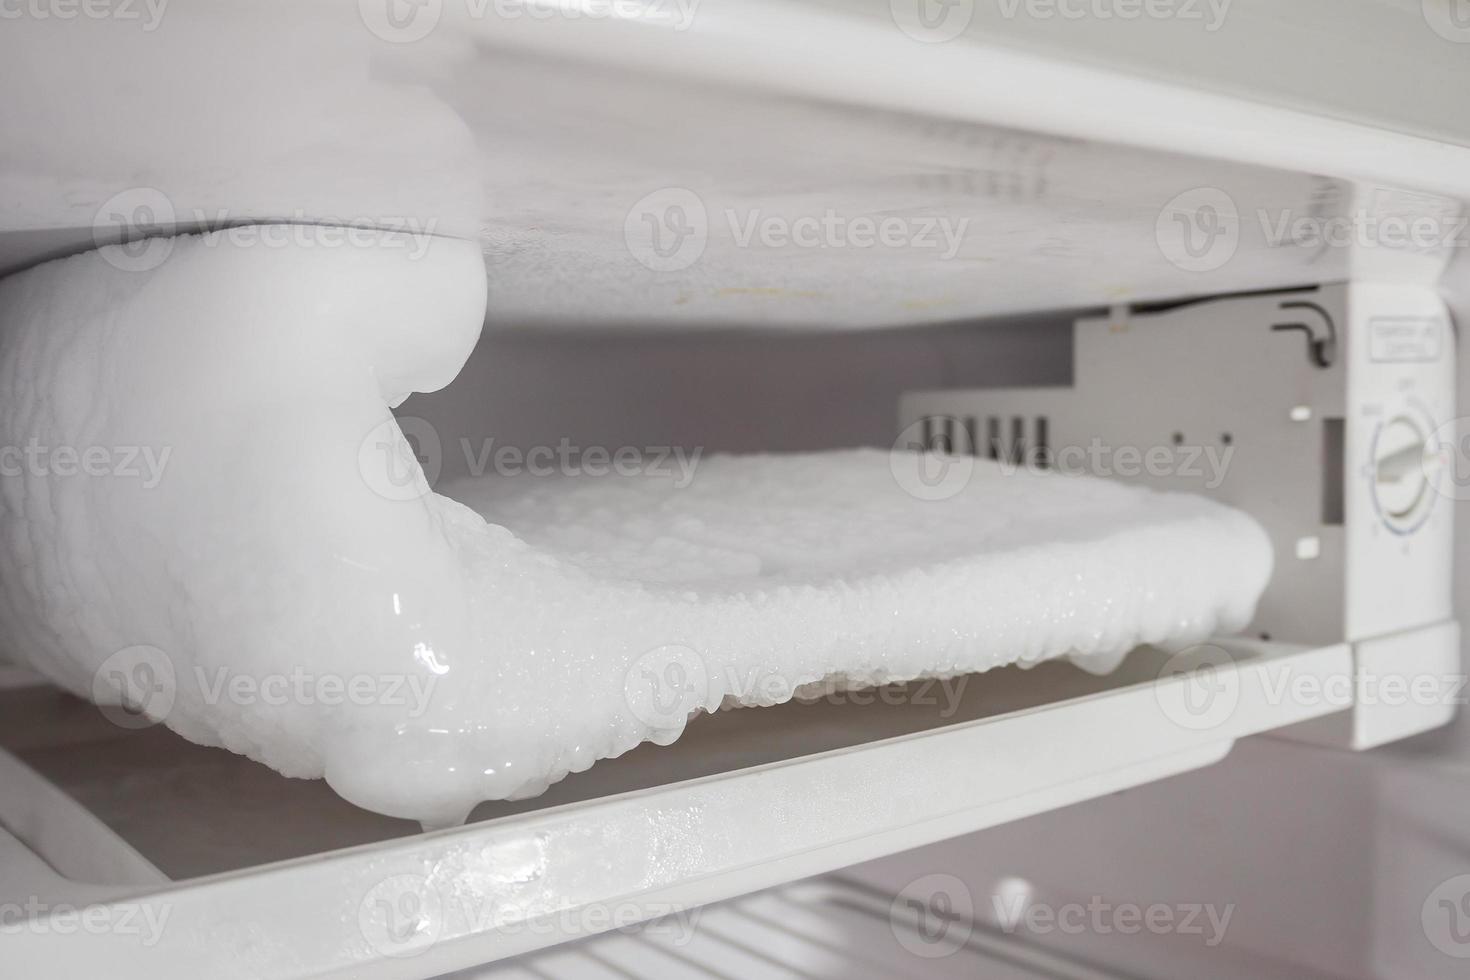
(746, 800)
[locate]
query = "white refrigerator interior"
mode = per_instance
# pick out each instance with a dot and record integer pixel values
(927, 489)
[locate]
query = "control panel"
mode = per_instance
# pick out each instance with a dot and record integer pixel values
(1326, 413)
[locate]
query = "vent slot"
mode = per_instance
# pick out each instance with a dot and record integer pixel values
(1005, 437)
(1334, 456)
(936, 434)
(926, 433)
(1018, 440)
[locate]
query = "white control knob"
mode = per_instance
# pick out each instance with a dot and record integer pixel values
(1400, 483)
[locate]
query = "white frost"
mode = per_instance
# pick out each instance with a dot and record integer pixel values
(538, 624)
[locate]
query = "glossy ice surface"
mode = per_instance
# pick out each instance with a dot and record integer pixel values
(279, 580)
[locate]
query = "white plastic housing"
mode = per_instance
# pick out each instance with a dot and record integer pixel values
(1326, 413)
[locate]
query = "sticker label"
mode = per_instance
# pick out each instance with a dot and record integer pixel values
(1401, 339)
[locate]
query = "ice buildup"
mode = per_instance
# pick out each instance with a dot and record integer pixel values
(266, 587)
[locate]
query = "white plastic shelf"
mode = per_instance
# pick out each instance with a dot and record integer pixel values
(747, 800)
(813, 930)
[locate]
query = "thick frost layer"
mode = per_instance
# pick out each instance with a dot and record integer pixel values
(575, 619)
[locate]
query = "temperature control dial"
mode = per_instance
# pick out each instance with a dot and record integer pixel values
(1400, 481)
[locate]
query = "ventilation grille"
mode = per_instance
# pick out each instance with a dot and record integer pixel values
(1010, 438)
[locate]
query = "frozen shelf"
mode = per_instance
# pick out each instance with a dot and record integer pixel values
(1052, 155)
(747, 800)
